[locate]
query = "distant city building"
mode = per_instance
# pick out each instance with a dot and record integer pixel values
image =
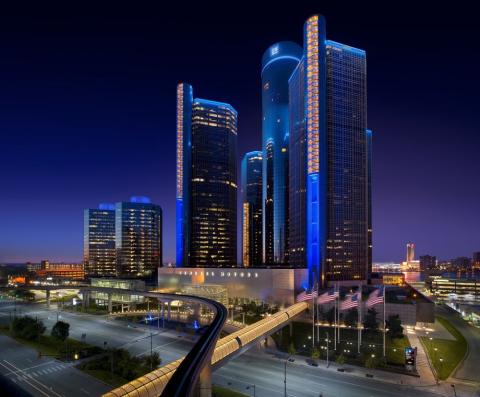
(427, 262)
(410, 252)
(206, 181)
(138, 225)
(476, 260)
(330, 148)
(70, 271)
(251, 190)
(99, 254)
(462, 263)
(278, 63)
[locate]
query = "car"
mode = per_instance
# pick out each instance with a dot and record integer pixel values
(291, 359)
(313, 364)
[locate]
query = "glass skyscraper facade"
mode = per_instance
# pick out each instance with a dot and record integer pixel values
(329, 196)
(138, 225)
(251, 191)
(99, 256)
(206, 181)
(278, 63)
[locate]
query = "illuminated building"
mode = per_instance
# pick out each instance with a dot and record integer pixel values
(330, 157)
(251, 190)
(476, 261)
(99, 241)
(410, 252)
(138, 235)
(456, 289)
(278, 63)
(71, 271)
(206, 181)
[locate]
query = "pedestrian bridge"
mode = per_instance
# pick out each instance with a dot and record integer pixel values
(153, 383)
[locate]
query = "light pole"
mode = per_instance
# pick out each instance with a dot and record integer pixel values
(454, 390)
(253, 387)
(326, 333)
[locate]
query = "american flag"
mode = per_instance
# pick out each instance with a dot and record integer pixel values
(375, 297)
(328, 296)
(350, 302)
(305, 296)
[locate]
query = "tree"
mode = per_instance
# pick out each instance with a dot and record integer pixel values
(330, 315)
(351, 318)
(291, 349)
(370, 323)
(394, 325)
(27, 328)
(154, 359)
(340, 360)
(60, 330)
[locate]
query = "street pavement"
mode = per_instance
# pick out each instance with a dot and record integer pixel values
(44, 376)
(267, 373)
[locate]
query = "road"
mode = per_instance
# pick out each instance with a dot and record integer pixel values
(468, 369)
(254, 367)
(267, 373)
(38, 375)
(45, 376)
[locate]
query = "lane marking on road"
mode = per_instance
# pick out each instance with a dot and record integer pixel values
(35, 387)
(50, 389)
(85, 391)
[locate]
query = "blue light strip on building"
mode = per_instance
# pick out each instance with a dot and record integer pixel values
(280, 58)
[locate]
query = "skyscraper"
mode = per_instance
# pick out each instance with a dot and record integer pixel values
(206, 181)
(278, 62)
(476, 260)
(138, 225)
(427, 262)
(329, 150)
(99, 241)
(251, 188)
(410, 252)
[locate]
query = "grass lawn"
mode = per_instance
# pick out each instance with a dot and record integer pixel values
(106, 376)
(218, 391)
(449, 352)
(372, 343)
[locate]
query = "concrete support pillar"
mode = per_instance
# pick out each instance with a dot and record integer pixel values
(290, 327)
(197, 310)
(168, 311)
(109, 303)
(204, 384)
(48, 298)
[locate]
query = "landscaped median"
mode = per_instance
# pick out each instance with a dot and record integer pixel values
(444, 354)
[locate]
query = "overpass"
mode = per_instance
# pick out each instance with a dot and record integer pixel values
(157, 383)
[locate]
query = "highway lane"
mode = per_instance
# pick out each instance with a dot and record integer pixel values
(303, 381)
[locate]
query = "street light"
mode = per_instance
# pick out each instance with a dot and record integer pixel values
(454, 390)
(253, 386)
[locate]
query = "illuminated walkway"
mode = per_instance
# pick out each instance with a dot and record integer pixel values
(153, 383)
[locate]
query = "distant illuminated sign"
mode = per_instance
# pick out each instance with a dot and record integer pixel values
(274, 50)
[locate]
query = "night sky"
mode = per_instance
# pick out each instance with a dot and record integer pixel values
(87, 112)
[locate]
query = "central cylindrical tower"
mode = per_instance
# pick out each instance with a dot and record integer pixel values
(278, 63)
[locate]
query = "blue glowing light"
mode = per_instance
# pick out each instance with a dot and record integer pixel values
(345, 47)
(140, 199)
(106, 206)
(179, 256)
(195, 324)
(214, 103)
(296, 59)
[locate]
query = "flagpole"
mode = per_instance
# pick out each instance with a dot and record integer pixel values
(359, 342)
(384, 323)
(335, 316)
(313, 319)
(338, 314)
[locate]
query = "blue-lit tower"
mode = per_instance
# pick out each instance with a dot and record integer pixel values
(206, 181)
(330, 216)
(278, 63)
(369, 201)
(251, 190)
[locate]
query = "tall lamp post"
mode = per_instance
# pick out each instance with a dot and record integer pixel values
(253, 387)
